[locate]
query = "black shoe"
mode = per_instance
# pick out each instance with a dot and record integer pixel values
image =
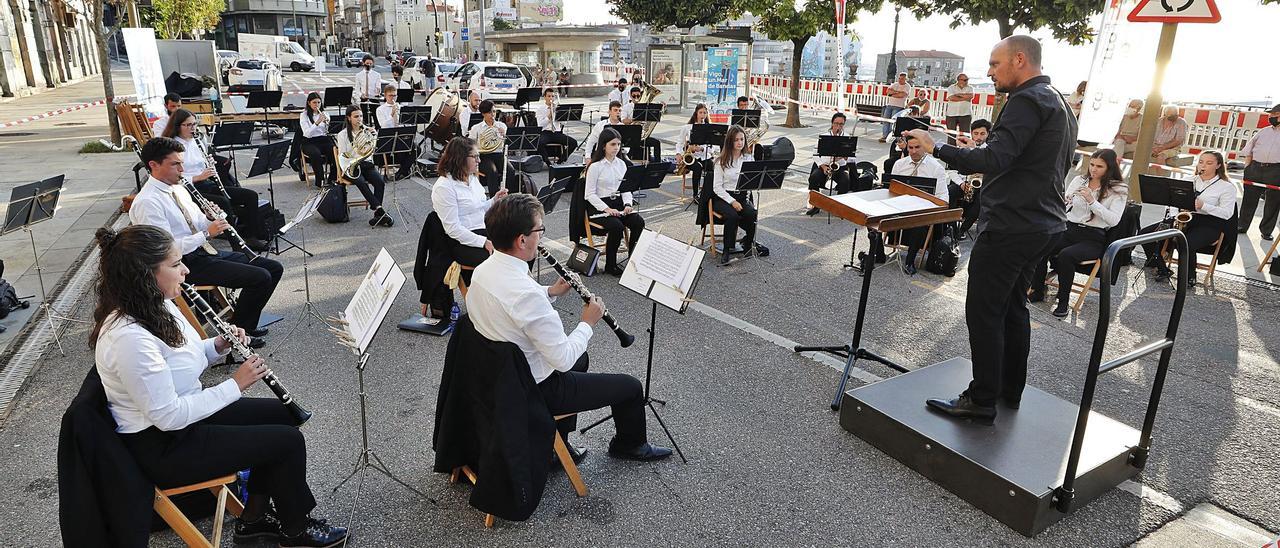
(724, 259)
(257, 342)
(1012, 403)
(643, 452)
(1191, 282)
(963, 408)
(1061, 310)
(761, 250)
(613, 270)
(257, 332)
(257, 245)
(909, 268)
(812, 211)
(267, 527)
(1163, 273)
(1153, 262)
(317, 534)
(1242, 230)
(962, 237)
(578, 454)
(381, 217)
(1036, 296)
(1267, 237)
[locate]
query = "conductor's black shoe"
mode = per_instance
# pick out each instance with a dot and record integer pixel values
(613, 270)
(1061, 310)
(643, 452)
(266, 528)
(257, 342)
(257, 332)
(963, 408)
(812, 211)
(1163, 273)
(317, 534)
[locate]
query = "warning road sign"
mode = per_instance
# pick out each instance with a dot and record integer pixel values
(1175, 11)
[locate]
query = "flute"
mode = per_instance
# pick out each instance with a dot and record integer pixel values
(300, 415)
(624, 338)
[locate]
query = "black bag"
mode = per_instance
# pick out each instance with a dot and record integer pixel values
(272, 220)
(9, 300)
(584, 259)
(333, 207)
(1275, 266)
(944, 254)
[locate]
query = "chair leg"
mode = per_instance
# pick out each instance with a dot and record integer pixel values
(1270, 256)
(488, 521)
(570, 469)
(218, 515)
(1088, 286)
(178, 522)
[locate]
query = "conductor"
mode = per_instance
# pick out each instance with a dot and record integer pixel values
(1025, 161)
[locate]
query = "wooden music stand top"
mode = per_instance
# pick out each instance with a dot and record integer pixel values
(872, 209)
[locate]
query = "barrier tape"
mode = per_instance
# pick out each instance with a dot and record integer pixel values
(53, 113)
(426, 91)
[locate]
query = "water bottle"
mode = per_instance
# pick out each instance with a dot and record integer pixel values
(454, 312)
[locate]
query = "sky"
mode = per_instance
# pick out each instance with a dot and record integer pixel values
(1206, 66)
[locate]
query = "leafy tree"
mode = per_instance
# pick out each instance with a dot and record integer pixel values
(95, 15)
(182, 18)
(661, 14)
(779, 20)
(1068, 20)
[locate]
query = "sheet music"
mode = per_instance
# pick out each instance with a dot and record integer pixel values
(665, 261)
(907, 203)
(675, 296)
(372, 300)
(308, 209)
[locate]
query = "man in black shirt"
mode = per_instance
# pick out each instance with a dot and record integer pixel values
(1025, 162)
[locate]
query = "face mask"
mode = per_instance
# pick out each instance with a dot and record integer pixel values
(367, 67)
(1275, 122)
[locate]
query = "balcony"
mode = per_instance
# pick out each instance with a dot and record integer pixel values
(302, 7)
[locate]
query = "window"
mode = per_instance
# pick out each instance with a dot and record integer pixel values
(506, 73)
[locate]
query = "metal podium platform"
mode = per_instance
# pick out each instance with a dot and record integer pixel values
(1009, 470)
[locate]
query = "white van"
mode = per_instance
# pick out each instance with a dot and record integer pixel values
(277, 49)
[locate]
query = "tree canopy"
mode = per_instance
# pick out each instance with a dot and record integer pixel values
(1068, 20)
(662, 14)
(182, 18)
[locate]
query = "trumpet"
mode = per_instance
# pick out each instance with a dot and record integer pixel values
(214, 213)
(624, 338)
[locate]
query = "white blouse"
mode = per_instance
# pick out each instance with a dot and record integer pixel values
(728, 176)
(1102, 214)
(193, 160)
(1219, 197)
(474, 133)
(318, 128)
(387, 116)
(461, 207)
(604, 177)
(149, 383)
(547, 117)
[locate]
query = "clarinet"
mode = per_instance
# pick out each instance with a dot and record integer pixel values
(209, 161)
(624, 338)
(300, 415)
(212, 212)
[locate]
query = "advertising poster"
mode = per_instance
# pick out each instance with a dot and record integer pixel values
(722, 78)
(665, 70)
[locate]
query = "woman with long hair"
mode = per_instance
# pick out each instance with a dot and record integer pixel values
(241, 204)
(735, 208)
(369, 180)
(1215, 208)
(459, 200)
(150, 360)
(313, 124)
(604, 177)
(1095, 203)
(701, 153)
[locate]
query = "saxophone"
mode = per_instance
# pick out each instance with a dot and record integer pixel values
(362, 147)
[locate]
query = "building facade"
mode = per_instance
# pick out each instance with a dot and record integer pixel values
(45, 44)
(302, 21)
(923, 67)
(427, 26)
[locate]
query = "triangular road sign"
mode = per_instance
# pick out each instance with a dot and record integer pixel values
(1175, 11)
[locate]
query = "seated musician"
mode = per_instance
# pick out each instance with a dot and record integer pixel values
(1215, 208)
(241, 203)
(701, 153)
(172, 102)
(735, 208)
(828, 168)
(614, 119)
(180, 433)
(507, 305)
(552, 131)
(397, 78)
(652, 147)
(389, 117)
(918, 163)
(464, 114)
(979, 131)
(459, 201)
(1095, 203)
(604, 176)
(490, 160)
(164, 203)
(369, 180)
(316, 144)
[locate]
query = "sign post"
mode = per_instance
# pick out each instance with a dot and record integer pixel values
(1170, 13)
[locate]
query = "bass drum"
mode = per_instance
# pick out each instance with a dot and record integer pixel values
(444, 122)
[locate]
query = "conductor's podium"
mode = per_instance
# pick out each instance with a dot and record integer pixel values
(1009, 470)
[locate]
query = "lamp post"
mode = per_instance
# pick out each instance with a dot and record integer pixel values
(892, 71)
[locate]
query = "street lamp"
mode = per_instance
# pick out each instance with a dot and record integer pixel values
(892, 71)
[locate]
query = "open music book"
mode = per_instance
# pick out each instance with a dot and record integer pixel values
(378, 289)
(664, 270)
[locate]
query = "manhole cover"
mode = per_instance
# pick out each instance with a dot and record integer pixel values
(64, 124)
(17, 134)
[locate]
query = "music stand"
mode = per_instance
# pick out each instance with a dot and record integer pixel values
(1167, 191)
(416, 116)
(233, 136)
(560, 180)
(708, 134)
(404, 95)
(526, 95)
(924, 184)
(336, 126)
(762, 175)
(476, 118)
(308, 308)
(630, 134)
(746, 118)
(338, 97)
(522, 138)
(647, 112)
(31, 204)
(394, 141)
(268, 159)
(569, 113)
(838, 146)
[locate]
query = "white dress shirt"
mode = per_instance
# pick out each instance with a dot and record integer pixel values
(686, 133)
(1219, 198)
(464, 117)
(313, 129)
(368, 85)
(725, 177)
(594, 136)
(621, 96)
(506, 305)
(603, 180)
(1264, 146)
(461, 207)
(826, 160)
(153, 205)
(959, 108)
(1102, 214)
(474, 133)
(387, 116)
(928, 166)
(157, 128)
(547, 117)
(193, 160)
(149, 383)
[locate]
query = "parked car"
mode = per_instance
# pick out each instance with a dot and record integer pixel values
(226, 59)
(253, 75)
(529, 80)
(354, 58)
(501, 80)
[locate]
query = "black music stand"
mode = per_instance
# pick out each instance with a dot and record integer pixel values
(416, 116)
(560, 180)
(233, 136)
(630, 134)
(646, 113)
(476, 118)
(268, 159)
(569, 113)
(336, 125)
(746, 118)
(525, 96)
(1167, 191)
(924, 184)
(31, 204)
(405, 95)
(522, 138)
(762, 175)
(837, 146)
(394, 141)
(338, 97)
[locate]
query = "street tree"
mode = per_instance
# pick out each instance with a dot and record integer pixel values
(663, 14)
(95, 12)
(1068, 20)
(780, 20)
(174, 19)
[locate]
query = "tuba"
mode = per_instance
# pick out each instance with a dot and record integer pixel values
(490, 139)
(647, 95)
(754, 134)
(362, 147)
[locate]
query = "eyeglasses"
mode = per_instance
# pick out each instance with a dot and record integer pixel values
(539, 229)
(476, 156)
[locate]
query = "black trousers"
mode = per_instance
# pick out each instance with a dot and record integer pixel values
(254, 433)
(370, 184)
(576, 391)
(652, 148)
(1000, 270)
(491, 173)
(1078, 243)
(613, 228)
(746, 219)
(700, 171)
(1199, 236)
(467, 255)
(958, 123)
(818, 179)
(971, 208)
(1262, 173)
(319, 151)
(256, 280)
(243, 206)
(567, 144)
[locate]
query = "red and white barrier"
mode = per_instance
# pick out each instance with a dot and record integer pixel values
(53, 113)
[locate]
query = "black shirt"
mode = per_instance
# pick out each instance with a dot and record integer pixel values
(1025, 161)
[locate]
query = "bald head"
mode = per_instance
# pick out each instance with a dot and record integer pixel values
(1014, 60)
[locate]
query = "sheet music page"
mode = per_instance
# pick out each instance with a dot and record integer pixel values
(664, 261)
(671, 296)
(373, 299)
(907, 203)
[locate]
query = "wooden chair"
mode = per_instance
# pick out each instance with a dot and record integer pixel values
(709, 229)
(186, 530)
(343, 180)
(1270, 255)
(462, 282)
(591, 241)
(562, 453)
(1083, 289)
(1209, 267)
